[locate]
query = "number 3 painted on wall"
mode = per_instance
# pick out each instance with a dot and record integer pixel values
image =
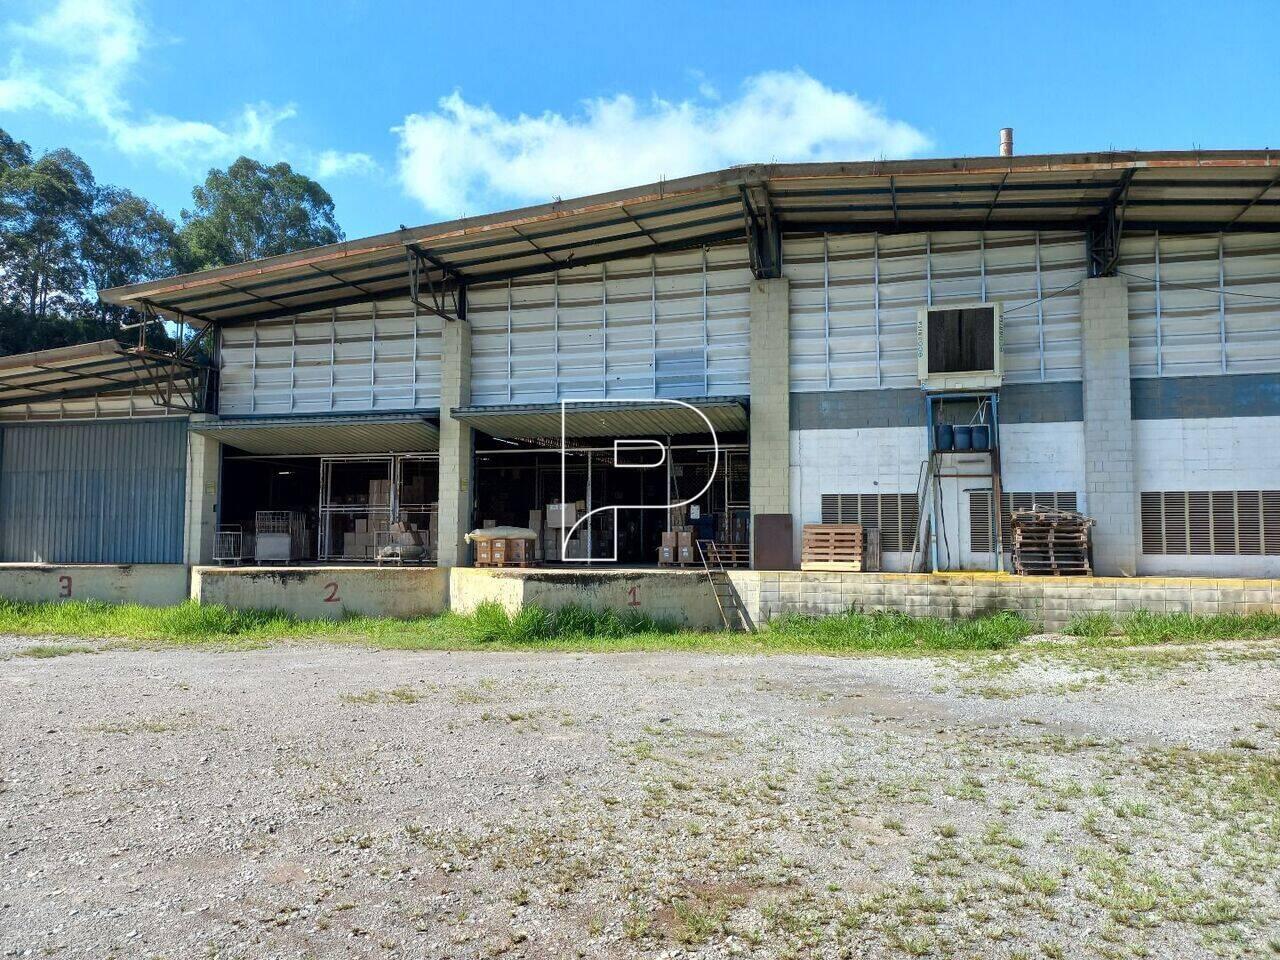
(332, 595)
(64, 587)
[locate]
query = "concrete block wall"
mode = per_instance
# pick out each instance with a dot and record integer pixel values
(1048, 601)
(457, 445)
(770, 397)
(1110, 491)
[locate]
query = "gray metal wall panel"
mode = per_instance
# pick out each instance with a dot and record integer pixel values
(93, 492)
(904, 407)
(1193, 398)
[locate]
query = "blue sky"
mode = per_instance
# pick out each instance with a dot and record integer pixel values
(414, 112)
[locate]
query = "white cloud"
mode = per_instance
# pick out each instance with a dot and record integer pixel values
(334, 163)
(74, 59)
(464, 158)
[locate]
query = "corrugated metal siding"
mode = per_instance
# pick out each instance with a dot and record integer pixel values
(1202, 305)
(379, 356)
(93, 492)
(854, 301)
(671, 325)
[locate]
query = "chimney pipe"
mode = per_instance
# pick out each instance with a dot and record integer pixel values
(1006, 141)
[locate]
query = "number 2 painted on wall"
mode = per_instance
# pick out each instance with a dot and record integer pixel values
(634, 594)
(64, 586)
(332, 595)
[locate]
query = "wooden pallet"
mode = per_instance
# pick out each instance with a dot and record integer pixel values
(832, 546)
(1050, 542)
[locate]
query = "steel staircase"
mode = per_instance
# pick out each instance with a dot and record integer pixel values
(715, 558)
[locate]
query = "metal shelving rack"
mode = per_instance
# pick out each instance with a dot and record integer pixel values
(937, 458)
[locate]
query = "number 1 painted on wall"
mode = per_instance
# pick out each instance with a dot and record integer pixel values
(634, 594)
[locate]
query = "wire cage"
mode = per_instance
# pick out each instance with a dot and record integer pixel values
(230, 544)
(280, 536)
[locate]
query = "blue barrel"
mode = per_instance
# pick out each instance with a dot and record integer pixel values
(981, 436)
(943, 437)
(964, 438)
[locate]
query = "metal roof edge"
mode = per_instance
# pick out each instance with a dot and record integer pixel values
(726, 177)
(53, 355)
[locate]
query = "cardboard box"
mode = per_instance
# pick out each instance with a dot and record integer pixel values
(666, 554)
(669, 539)
(561, 515)
(362, 524)
(684, 538)
(535, 520)
(685, 553)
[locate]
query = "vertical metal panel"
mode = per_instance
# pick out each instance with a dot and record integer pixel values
(854, 301)
(671, 325)
(370, 356)
(1202, 305)
(107, 492)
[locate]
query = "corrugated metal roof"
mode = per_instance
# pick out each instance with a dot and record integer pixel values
(639, 418)
(1184, 190)
(352, 433)
(85, 369)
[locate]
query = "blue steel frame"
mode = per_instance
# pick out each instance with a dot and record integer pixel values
(933, 399)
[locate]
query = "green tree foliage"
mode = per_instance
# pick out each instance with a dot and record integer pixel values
(64, 237)
(250, 211)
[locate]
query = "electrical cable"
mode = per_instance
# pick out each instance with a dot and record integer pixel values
(1191, 286)
(1047, 296)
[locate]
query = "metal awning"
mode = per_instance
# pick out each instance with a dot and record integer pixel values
(639, 418)
(354, 433)
(1176, 191)
(89, 369)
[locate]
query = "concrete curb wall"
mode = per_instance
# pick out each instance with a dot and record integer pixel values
(326, 591)
(1053, 601)
(152, 584)
(683, 597)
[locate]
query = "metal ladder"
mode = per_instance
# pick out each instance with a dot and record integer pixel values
(731, 611)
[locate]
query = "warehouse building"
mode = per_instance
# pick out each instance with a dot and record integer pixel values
(404, 389)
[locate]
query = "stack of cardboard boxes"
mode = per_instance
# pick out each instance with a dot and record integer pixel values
(678, 548)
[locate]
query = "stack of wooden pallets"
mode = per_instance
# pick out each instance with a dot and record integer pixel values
(1050, 543)
(833, 546)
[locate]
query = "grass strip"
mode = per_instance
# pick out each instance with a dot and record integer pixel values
(491, 627)
(1142, 627)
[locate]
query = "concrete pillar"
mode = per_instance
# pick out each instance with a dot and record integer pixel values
(1111, 495)
(770, 398)
(204, 464)
(457, 444)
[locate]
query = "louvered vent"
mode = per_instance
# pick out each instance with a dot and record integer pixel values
(1211, 522)
(980, 513)
(896, 514)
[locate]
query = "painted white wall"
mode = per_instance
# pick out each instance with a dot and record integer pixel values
(1234, 453)
(1035, 456)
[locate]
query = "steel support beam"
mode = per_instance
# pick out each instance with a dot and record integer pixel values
(764, 233)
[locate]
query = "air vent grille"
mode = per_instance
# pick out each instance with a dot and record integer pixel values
(1211, 522)
(896, 514)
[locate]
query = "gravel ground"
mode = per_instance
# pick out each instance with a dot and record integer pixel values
(321, 801)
